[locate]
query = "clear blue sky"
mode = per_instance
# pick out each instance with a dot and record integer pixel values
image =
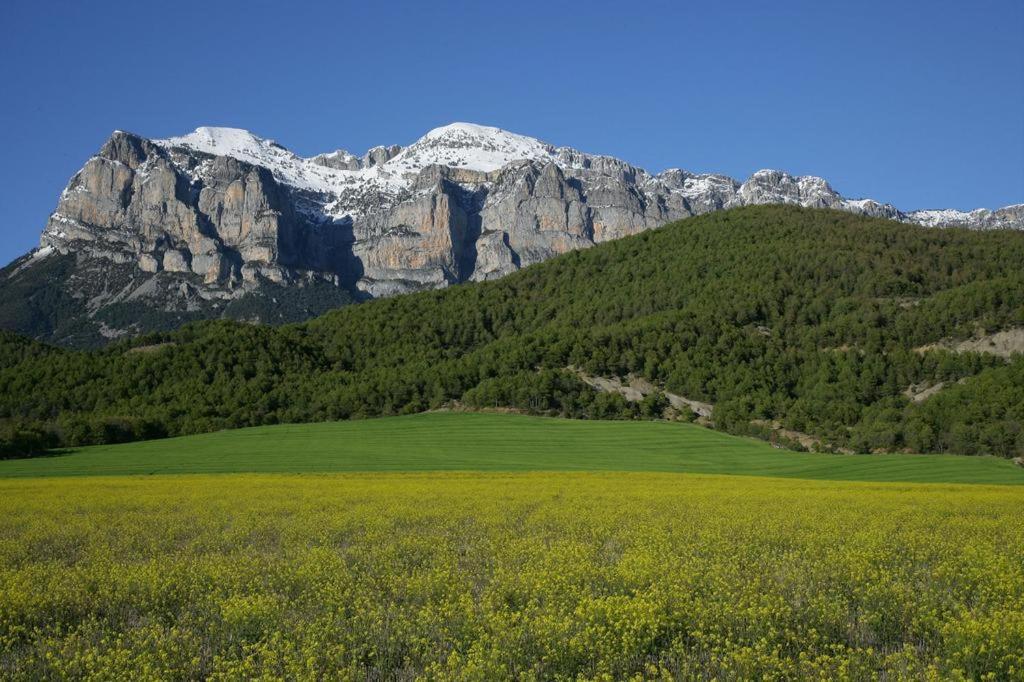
(916, 103)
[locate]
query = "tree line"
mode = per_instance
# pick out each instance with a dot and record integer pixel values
(814, 319)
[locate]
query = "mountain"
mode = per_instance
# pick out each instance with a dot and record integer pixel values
(150, 234)
(806, 325)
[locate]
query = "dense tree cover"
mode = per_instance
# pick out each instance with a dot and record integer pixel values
(806, 317)
(21, 438)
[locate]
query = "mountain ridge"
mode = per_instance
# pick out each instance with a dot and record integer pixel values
(518, 147)
(221, 220)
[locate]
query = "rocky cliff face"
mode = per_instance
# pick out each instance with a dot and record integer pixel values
(221, 222)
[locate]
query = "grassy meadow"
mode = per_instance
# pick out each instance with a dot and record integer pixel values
(457, 546)
(460, 441)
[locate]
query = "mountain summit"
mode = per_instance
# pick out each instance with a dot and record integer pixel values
(220, 222)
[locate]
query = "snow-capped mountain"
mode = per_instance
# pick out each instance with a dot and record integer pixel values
(466, 146)
(459, 145)
(153, 232)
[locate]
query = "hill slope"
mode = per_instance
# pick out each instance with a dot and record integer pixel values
(808, 319)
(452, 441)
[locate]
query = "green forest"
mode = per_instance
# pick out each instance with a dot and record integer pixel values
(810, 319)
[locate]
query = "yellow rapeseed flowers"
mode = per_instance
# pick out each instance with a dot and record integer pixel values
(540, 576)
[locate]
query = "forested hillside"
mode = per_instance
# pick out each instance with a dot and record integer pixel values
(808, 320)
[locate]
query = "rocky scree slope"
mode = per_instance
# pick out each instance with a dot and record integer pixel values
(221, 223)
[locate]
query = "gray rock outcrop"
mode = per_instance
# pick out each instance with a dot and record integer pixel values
(220, 212)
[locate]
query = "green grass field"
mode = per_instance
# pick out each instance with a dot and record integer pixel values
(454, 441)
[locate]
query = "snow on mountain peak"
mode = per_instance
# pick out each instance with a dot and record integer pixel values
(469, 146)
(462, 127)
(286, 166)
(223, 142)
(458, 145)
(944, 216)
(244, 146)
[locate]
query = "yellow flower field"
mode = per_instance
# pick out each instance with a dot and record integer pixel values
(496, 576)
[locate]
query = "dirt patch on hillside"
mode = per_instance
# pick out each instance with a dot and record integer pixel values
(808, 441)
(918, 393)
(152, 348)
(635, 389)
(1004, 344)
